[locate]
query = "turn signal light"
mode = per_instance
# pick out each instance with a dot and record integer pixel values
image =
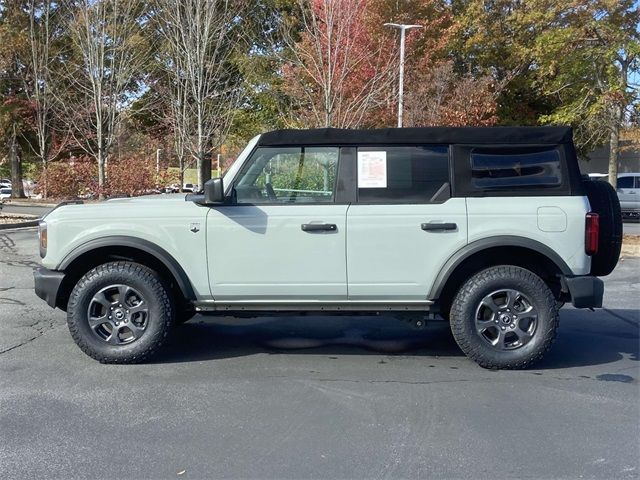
(42, 233)
(592, 233)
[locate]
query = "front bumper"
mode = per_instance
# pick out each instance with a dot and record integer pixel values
(47, 284)
(585, 292)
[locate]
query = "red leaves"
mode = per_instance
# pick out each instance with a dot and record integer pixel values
(339, 67)
(130, 177)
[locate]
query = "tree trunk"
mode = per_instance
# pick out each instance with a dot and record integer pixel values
(199, 165)
(614, 147)
(204, 169)
(17, 189)
(45, 190)
(181, 172)
(101, 173)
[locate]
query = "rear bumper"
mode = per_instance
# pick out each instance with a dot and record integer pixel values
(585, 292)
(47, 284)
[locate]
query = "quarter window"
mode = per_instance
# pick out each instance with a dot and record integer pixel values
(496, 169)
(401, 174)
(288, 175)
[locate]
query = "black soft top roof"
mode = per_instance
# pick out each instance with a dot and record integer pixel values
(425, 135)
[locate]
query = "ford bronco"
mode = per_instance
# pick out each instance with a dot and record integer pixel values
(493, 229)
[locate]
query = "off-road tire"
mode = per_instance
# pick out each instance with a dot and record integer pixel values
(466, 301)
(156, 294)
(604, 201)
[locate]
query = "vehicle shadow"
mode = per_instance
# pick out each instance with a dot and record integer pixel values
(584, 338)
(209, 338)
(588, 338)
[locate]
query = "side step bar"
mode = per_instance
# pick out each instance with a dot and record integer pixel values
(311, 305)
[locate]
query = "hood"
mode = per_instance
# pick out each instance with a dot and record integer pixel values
(161, 197)
(147, 205)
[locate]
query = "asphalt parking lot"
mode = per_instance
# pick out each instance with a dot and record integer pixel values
(315, 397)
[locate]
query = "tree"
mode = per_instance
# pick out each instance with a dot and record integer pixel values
(38, 79)
(335, 71)
(498, 37)
(586, 64)
(264, 104)
(436, 93)
(14, 108)
(103, 71)
(568, 62)
(440, 96)
(204, 84)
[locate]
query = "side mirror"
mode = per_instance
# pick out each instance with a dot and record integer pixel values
(214, 192)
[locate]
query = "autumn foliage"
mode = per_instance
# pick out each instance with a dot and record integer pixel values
(339, 70)
(125, 177)
(344, 68)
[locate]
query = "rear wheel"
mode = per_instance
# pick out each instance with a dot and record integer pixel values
(120, 312)
(504, 317)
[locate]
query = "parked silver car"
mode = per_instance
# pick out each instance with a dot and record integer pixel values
(628, 189)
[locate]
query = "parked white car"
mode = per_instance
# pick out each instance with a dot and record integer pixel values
(5, 193)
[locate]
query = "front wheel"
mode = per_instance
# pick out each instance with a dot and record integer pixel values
(120, 312)
(504, 317)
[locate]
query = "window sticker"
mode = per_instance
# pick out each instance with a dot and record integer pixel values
(372, 169)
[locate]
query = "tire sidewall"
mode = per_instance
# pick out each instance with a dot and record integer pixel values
(96, 280)
(539, 295)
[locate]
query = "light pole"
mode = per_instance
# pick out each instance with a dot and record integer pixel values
(403, 28)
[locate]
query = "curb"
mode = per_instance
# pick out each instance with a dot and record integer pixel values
(7, 226)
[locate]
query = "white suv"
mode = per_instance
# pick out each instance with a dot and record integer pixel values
(492, 228)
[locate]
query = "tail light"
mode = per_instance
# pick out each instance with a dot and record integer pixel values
(591, 233)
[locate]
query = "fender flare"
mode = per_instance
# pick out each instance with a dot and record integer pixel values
(472, 248)
(138, 243)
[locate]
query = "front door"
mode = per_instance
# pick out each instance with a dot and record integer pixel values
(283, 237)
(404, 225)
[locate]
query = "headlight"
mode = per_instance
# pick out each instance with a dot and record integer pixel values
(42, 236)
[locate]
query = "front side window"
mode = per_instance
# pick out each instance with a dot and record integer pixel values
(288, 175)
(514, 168)
(401, 174)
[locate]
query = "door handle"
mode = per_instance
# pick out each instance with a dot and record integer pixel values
(435, 227)
(319, 227)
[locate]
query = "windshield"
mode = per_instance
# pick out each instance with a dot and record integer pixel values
(233, 170)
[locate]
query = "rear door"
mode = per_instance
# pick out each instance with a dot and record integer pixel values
(404, 225)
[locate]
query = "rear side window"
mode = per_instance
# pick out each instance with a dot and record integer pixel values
(515, 168)
(401, 174)
(625, 182)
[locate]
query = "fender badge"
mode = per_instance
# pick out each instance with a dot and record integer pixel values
(195, 227)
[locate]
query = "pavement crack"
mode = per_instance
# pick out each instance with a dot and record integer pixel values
(40, 331)
(623, 318)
